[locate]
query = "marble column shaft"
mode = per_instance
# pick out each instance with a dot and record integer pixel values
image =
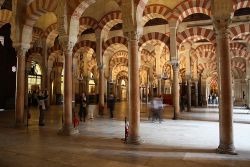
(68, 128)
(68, 91)
(100, 64)
(49, 85)
(159, 86)
(226, 102)
(176, 93)
(134, 91)
(101, 87)
(189, 94)
(175, 65)
(20, 88)
(196, 94)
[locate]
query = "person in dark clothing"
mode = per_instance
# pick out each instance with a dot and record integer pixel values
(111, 105)
(83, 108)
(42, 108)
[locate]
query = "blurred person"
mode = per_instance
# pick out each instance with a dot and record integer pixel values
(41, 106)
(156, 109)
(111, 105)
(83, 108)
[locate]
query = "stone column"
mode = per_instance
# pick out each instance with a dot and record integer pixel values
(203, 91)
(176, 93)
(20, 87)
(134, 91)
(159, 86)
(175, 66)
(196, 93)
(44, 65)
(101, 83)
(101, 90)
(221, 24)
(49, 85)
(189, 94)
(73, 92)
(57, 80)
(147, 87)
(27, 86)
(67, 128)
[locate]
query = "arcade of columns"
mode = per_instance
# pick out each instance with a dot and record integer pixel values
(138, 54)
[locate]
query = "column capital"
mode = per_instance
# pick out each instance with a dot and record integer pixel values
(221, 25)
(50, 69)
(175, 64)
(101, 66)
(132, 35)
(21, 51)
(173, 24)
(98, 33)
(188, 77)
(196, 81)
(65, 43)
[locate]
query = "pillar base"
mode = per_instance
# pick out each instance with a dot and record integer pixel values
(226, 149)
(68, 131)
(19, 125)
(176, 116)
(134, 140)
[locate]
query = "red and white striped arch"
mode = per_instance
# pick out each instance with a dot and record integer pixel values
(154, 36)
(238, 4)
(84, 44)
(37, 8)
(237, 46)
(34, 10)
(34, 54)
(156, 11)
(208, 56)
(141, 4)
(245, 37)
(122, 75)
(37, 33)
(115, 40)
(238, 30)
(206, 52)
(195, 32)
(49, 29)
(194, 39)
(189, 7)
(147, 58)
(121, 53)
(204, 66)
(205, 48)
(108, 21)
(241, 53)
(77, 7)
(92, 64)
(53, 49)
(240, 65)
(50, 34)
(117, 61)
(194, 57)
(86, 23)
(117, 69)
(34, 50)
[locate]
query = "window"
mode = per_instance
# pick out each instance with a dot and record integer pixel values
(34, 77)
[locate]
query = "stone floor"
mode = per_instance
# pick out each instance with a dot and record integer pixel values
(181, 143)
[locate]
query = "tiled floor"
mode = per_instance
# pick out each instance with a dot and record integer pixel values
(181, 143)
